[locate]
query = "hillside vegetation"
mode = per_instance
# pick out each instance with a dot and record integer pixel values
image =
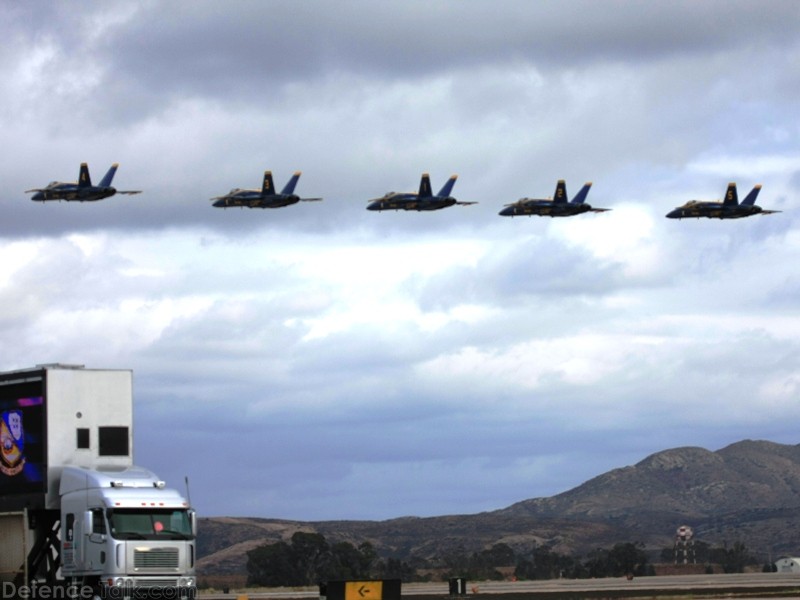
(747, 492)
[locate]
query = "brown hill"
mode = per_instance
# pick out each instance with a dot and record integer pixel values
(748, 492)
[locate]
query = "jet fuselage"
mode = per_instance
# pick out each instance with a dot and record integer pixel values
(543, 208)
(73, 192)
(81, 190)
(255, 199)
(410, 201)
(695, 209)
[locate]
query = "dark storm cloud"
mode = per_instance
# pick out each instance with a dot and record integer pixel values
(202, 48)
(153, 54)
(283, 450)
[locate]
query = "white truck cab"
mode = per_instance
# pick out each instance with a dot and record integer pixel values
(123, 528)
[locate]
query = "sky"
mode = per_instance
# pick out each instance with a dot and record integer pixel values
(321, 361)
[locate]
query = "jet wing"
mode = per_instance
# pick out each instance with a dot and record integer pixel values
(129, 192)
(769, 212)
(599, 209)
(36, 190)
(465, 203)
(310, 199)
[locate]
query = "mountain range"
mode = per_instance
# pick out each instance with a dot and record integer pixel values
(747, 492)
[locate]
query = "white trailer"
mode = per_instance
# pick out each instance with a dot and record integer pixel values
(74, 510)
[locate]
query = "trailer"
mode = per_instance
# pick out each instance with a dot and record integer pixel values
(74, 509)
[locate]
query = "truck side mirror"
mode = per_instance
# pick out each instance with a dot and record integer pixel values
(88, 523)
(193, 520)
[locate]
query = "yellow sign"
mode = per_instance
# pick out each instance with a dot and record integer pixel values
(363, 590)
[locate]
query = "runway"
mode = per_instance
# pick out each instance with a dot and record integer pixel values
(738, 585)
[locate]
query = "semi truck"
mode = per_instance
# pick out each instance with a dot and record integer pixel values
(75, 513)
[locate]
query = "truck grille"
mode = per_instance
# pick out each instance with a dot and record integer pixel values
(157, 558)
(150, 583)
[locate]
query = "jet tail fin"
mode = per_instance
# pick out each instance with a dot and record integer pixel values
(447, 188)
(425, 186)
(750, 199)
(580, 197)
(731, 197)
(289, 187)
(106, 180)
(560, 195)
(267, 187)
(83, 177)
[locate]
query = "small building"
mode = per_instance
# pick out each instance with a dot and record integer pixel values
(788, 564)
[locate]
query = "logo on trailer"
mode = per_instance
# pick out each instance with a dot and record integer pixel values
(12, 443)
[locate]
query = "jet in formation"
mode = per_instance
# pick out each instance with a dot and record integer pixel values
(82, 190)
(265, 197)
(422, 200)
(729, 208)
(558, 206)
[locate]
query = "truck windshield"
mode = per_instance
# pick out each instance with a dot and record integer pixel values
(149, 524)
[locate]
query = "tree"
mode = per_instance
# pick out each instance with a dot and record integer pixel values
(271, 565)
(546, 564)
(627, 558)
(349, 562)
(734, 559)
(299, 563)
(394, 568)
(307, 560)
(310, 557)
(483, 564)
(597, 563)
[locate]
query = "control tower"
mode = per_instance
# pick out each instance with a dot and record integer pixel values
(684, 546)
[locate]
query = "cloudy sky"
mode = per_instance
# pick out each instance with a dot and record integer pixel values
(322, 361)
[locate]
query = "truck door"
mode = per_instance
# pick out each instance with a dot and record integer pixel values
(73, 546)
(95, 539)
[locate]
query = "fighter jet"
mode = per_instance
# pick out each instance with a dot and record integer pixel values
(558, 206)
(265, 197)
(725, 209)
(82, 190)
(422, 200)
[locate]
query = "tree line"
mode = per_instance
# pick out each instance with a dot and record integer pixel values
(308, 558)
(732, 559)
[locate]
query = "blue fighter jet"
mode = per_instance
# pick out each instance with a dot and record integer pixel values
(419, 201)
(558, 206)
(729, 208)
(265, 197)
(82, 190)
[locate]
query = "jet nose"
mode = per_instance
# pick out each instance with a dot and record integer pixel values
(38, 196)
(675, 214)
(219, 204)
(508, 211)
(374, 205)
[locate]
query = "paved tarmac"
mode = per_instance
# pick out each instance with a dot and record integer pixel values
(739, 585)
